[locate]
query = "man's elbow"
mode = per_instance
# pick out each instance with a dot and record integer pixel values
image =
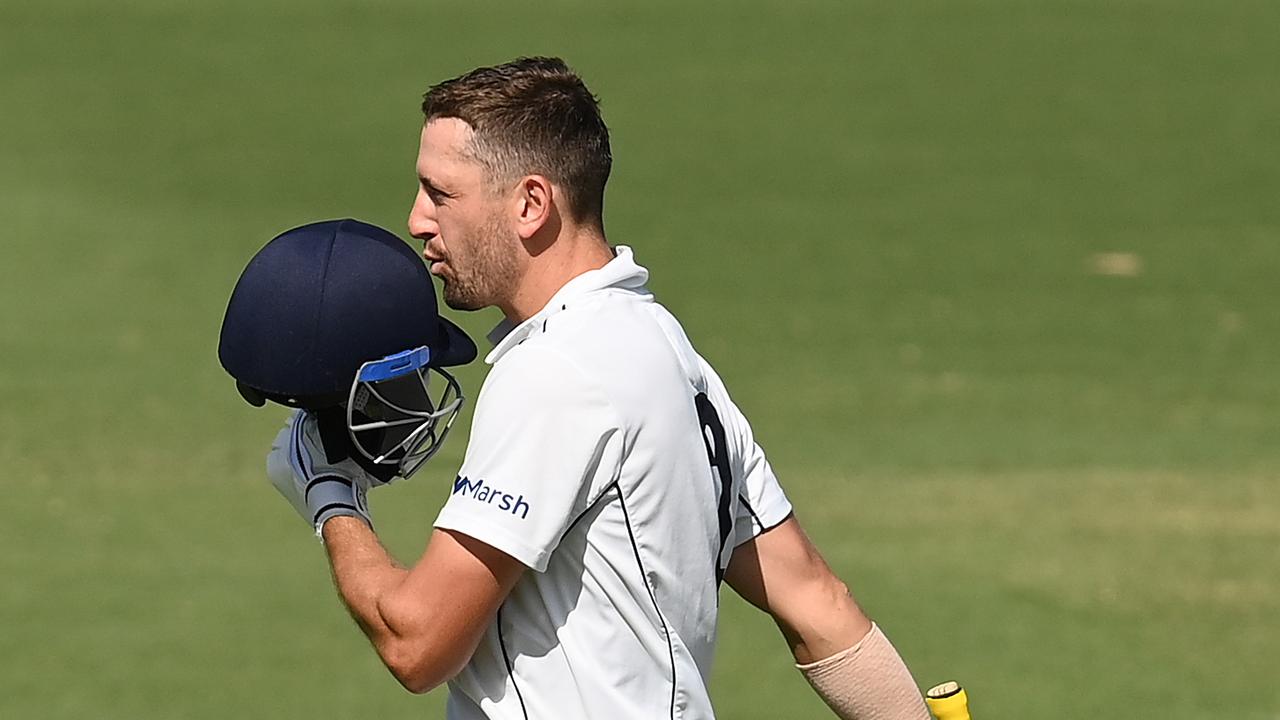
(838, 597)
(413, 679)
(419, 667)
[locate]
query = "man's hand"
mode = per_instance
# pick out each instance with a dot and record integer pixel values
(317, 488)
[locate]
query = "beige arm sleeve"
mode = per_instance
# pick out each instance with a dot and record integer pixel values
(868, 681)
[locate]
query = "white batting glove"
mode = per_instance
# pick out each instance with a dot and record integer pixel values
(319, 490)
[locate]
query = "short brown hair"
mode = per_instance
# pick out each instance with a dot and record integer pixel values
(532, 115)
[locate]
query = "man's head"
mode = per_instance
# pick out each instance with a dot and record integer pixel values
(509, 154)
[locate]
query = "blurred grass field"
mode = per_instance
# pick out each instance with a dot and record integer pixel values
(995, 280)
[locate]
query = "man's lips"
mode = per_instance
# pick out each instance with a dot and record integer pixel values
(435, 262)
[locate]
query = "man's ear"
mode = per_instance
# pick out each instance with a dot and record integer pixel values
(534, 199)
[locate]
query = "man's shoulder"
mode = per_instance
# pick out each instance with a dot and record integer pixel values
(535, 374)
(532, 360)
(610, 351)
(607, 314)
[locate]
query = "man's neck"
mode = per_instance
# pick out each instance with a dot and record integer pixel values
(574, 252)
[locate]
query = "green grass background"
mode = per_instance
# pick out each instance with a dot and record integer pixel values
(876, 219)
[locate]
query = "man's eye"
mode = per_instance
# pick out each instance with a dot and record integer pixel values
(434, 195)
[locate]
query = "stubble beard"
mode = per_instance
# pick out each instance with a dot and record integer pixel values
(490, 270)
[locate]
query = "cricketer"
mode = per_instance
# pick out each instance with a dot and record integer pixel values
(610, 485)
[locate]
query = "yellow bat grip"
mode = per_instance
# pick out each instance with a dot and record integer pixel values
(948, 701)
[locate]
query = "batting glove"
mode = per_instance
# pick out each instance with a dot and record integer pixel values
(317, 486)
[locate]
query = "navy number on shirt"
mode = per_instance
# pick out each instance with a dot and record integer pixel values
(718, 455)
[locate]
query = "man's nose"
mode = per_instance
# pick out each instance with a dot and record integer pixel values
(422, 220)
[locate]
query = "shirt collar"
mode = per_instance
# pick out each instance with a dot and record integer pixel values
(621, 273)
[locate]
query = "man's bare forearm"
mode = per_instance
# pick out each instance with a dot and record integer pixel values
(364, 573)
(783, 574)
(424, 633)
(844, 656)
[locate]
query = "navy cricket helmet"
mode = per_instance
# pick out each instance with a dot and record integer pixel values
(340, 317)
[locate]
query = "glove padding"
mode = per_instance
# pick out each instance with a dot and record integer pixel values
(319, 485)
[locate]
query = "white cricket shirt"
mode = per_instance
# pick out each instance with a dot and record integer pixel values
(605, 455)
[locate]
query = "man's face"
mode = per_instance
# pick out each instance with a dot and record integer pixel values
(462, 220)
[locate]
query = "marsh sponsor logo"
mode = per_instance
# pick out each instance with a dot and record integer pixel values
(504, 501)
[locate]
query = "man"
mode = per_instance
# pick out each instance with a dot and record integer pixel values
(610, 483)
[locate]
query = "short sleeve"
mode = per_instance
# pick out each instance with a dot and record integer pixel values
(761, 502)
(545, 441)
